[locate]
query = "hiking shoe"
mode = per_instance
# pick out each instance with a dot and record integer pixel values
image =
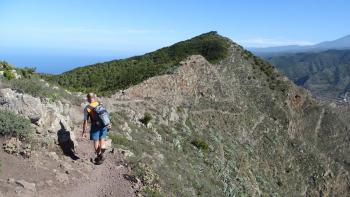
(101, 157)
(98, 162)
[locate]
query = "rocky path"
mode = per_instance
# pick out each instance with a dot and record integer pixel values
(51, 174)
(106, 179)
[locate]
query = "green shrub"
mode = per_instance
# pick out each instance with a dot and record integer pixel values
(9, 74)
(53, 97)
(146, 118)
(26, 72)
(14, 125)
(5, 66)
(200, 144)
(119, 140)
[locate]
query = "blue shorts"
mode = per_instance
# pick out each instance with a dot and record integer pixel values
(98, 133)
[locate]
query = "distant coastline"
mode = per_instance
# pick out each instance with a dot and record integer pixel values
(56, 64)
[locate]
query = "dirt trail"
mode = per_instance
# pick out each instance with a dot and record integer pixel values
(105, 180)
(59, 175)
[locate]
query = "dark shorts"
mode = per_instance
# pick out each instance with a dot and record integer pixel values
(98, 133)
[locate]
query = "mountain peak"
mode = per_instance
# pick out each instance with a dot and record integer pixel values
(120, 74)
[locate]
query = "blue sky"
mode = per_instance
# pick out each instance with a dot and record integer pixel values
(58, 35)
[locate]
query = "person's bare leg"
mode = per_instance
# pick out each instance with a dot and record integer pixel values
(102, 144)
(97, 147)
(102, 148)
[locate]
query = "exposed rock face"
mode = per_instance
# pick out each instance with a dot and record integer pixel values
(51, 119)
(265, 135)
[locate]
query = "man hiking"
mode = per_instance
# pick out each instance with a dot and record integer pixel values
(99, 126)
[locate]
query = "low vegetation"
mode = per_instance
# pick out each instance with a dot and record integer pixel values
(13, 125)
(7, 70)
(119, 140)
(147, 117)
(173, 164)
(31, 84)
(41, 89)
(200, 144)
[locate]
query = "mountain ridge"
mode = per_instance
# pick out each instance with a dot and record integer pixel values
(341, 43)
(120, 74)
(325, 73)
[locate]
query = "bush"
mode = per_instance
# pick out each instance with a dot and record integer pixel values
(5, 66)
(200, 144)
(14, 125)
(146, 118)
(27, 72)
(9, 74)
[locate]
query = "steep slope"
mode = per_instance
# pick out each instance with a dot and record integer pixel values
(107, 77)
(326, 74)
(234, 128)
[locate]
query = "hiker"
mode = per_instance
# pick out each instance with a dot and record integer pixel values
(100, 124)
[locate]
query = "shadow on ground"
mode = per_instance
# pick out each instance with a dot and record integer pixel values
(66, 143)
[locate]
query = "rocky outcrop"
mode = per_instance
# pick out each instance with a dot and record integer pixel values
(52, 120)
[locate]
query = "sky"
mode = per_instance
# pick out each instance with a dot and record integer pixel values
(56, 36)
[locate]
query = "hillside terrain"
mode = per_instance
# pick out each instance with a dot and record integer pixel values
(105, 78)
(326, 74)
(211, 119)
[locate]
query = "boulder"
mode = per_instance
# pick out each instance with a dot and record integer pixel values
(26, 185)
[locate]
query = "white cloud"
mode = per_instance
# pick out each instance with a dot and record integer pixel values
(270, 42)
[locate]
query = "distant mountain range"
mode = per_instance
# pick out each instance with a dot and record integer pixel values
(341, 43)
(326, 74)
(323, 68)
